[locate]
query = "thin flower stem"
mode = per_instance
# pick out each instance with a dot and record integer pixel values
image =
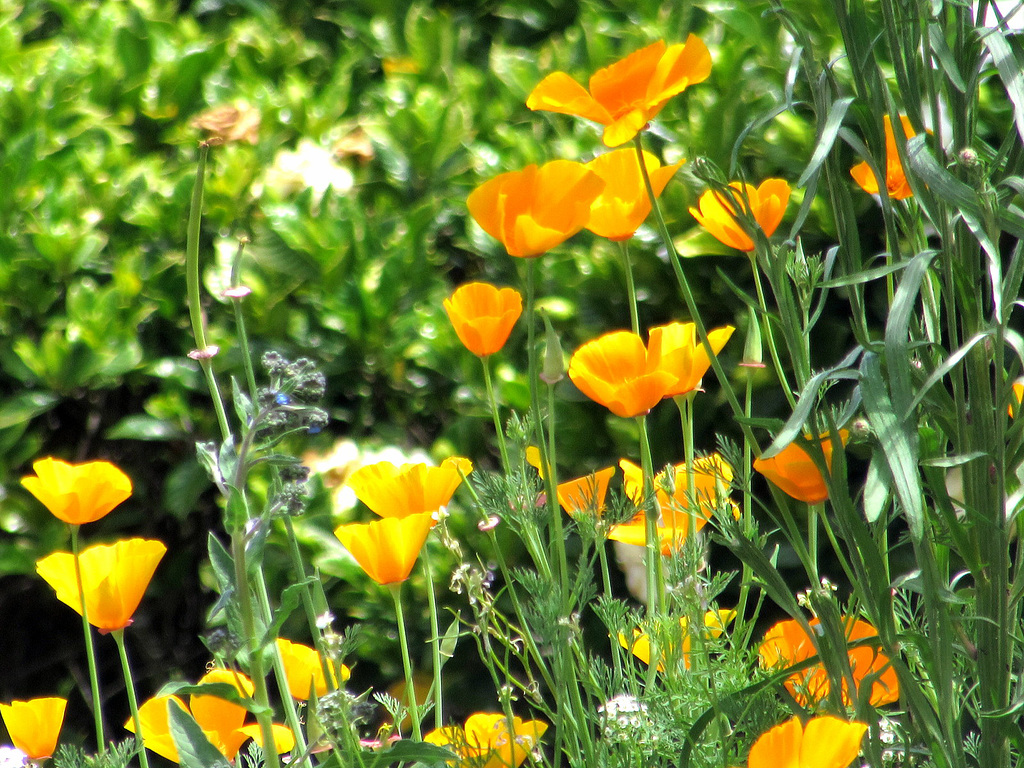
(655, 577)
(133, 704)
(435, 641)
(502, 448)
(550, 471)
(606, 580)
(557, 530)
(90, 652)
(195, 310)
(769, 335)
(685, 405)
(691, 303)
(410, 689)
(256, 671)
(634, 315)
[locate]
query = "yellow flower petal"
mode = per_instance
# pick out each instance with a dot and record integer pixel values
(34, 725)
(304, 668)
(387, 549)
(114, 579)
(78, 493)
(400, 491)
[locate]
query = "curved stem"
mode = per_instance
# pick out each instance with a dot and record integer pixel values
(90, 652)
(502, 448)
(133, 704)
(634, 315)
(410, 688)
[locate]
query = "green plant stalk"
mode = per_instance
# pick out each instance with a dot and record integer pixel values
(691, 303)
(256, 670)
(493, 402)
(634, 315)
(685, 405)
(557, 529)
(195, 310)
(770, 336)
(90, 651)
(133, 704)
(435, 641)
(551, 473)
(410, 688)
(606, 581)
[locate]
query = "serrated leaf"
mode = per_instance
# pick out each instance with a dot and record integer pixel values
(194, 749)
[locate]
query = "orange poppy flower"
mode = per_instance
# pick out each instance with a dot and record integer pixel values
(304, 669)
(78, 493)
(387, 549)
(533, 210)
(483, 316)
(114, 578)
(221, 721)
(795, 473)
(485, 741)
(825, 742)
(623, 206)
(619, 372)
(585, 495)
(408, 489)
(787, 644)
(685, 357)
(714, 621)
(709, 473)
(719, 212)
(627, 95)
(34, 725)
(895, 178)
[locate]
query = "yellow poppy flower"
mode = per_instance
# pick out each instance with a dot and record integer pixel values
(795, 473)
(222, 721)
(533, 210)
(387, 549)
(78, 493)
(34, 725)
(114, 578)
(623, 205)
(408, 489)
(715, 623)
(825, 742)
(787, 644)
(483, 316)
(685, 357)
(619, 372)
(627, 95)
(485, 741)
(709, 473)
(896, 183)
(718, 212)
(303, 668)
(634, 532)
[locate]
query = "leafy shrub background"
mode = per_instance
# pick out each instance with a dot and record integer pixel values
(97, 164)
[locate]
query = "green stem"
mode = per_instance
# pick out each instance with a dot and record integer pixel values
(485, 362)
(257, 673)
(195, 310)
(90, 652)
(435, 641)
(634, 315)
(410, 688)
(655, 577)
(133, 704)
(770, 336)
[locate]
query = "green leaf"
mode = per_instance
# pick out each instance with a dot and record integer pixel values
(222, 562)
(1010, 72)
(833, 122)
(194, 749)
(290, 599)
(409, 751)
(25, 406)
(143, 427)
(225, 691)
(897, 443)
(877, 488)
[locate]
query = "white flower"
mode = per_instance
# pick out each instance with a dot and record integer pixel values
(310, 165)
(12, 757)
